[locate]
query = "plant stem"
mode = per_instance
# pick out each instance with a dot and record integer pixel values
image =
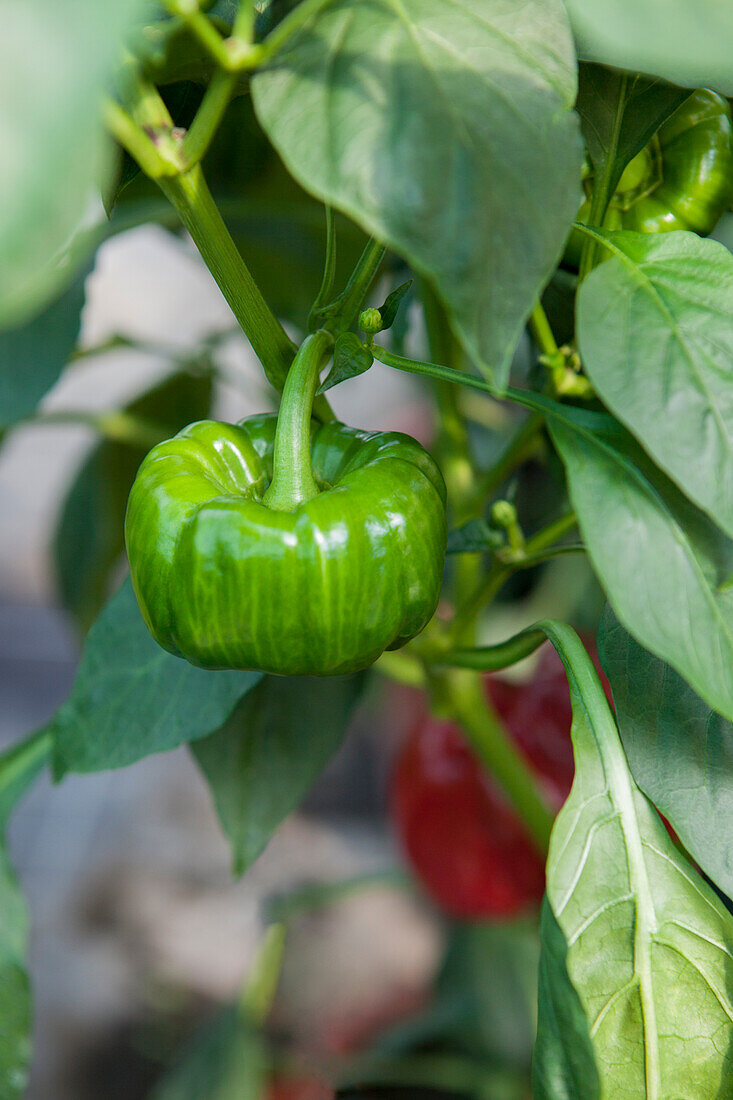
(209, 115)
(292, 478)
(200, 216)
(262, 982)
(500, 572)
(542, 331)
(494, 658)
(453, 449)
(340, 314)
(466, 703)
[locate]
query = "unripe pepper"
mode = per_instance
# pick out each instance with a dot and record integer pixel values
(463, 838)
(286, 546)
(683, 179)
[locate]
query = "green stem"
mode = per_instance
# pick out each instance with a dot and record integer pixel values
(329, 271)
(494, 658)
(340, 314)
(293, 482)
(402, 666)
(466, 703)
(200, 216)
(262, 982)
(209, 115)
(500, 572)
(542, 331)
(453, 449)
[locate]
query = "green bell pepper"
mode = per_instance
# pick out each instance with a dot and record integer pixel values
(285, 545)
(683, 179)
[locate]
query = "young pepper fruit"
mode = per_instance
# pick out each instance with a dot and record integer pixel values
(286, 546)
(683, 179)
(462, 837)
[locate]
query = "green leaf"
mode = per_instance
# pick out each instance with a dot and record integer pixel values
(679, 750)
(686, 43)
(475, 536)
(89, 539)
(15, 998)
(55, 62)
(486, 991)
(661, 561)
(446, 131)
(224, 1061)
(19, 766)
(648, 941)
(392, 303)
(131, 698)
(350, 359)
(261, 763)
(655, 331)
(563, 1064)
(33, 355)
(619, 114)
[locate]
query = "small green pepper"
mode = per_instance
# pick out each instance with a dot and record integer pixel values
(683, 179)
(284, 545)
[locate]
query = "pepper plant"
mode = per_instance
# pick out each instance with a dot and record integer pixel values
(510, 202)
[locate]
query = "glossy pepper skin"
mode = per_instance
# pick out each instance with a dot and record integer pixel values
(462, 837)
(227, 581)
(683, 179)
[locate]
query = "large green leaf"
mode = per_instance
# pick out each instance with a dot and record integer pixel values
(260, 764)
(15, 1000)
(563, 1065)
(55, 62)
(89, 538)
(687, 43)
(662, 562)
(131, 698)
(648, 941)
(680, 751)
(486, 990)
(33, 355)
(619, 113)
(655, 330)
(445, 130)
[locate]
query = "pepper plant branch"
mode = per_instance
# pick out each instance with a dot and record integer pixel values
(189, 194)
(259, 990)
(329, 270)
(542, 332)
(491, 583)
(452, 448)
(208, 117)
(464, 700)
(341, 313)
(199, 214)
